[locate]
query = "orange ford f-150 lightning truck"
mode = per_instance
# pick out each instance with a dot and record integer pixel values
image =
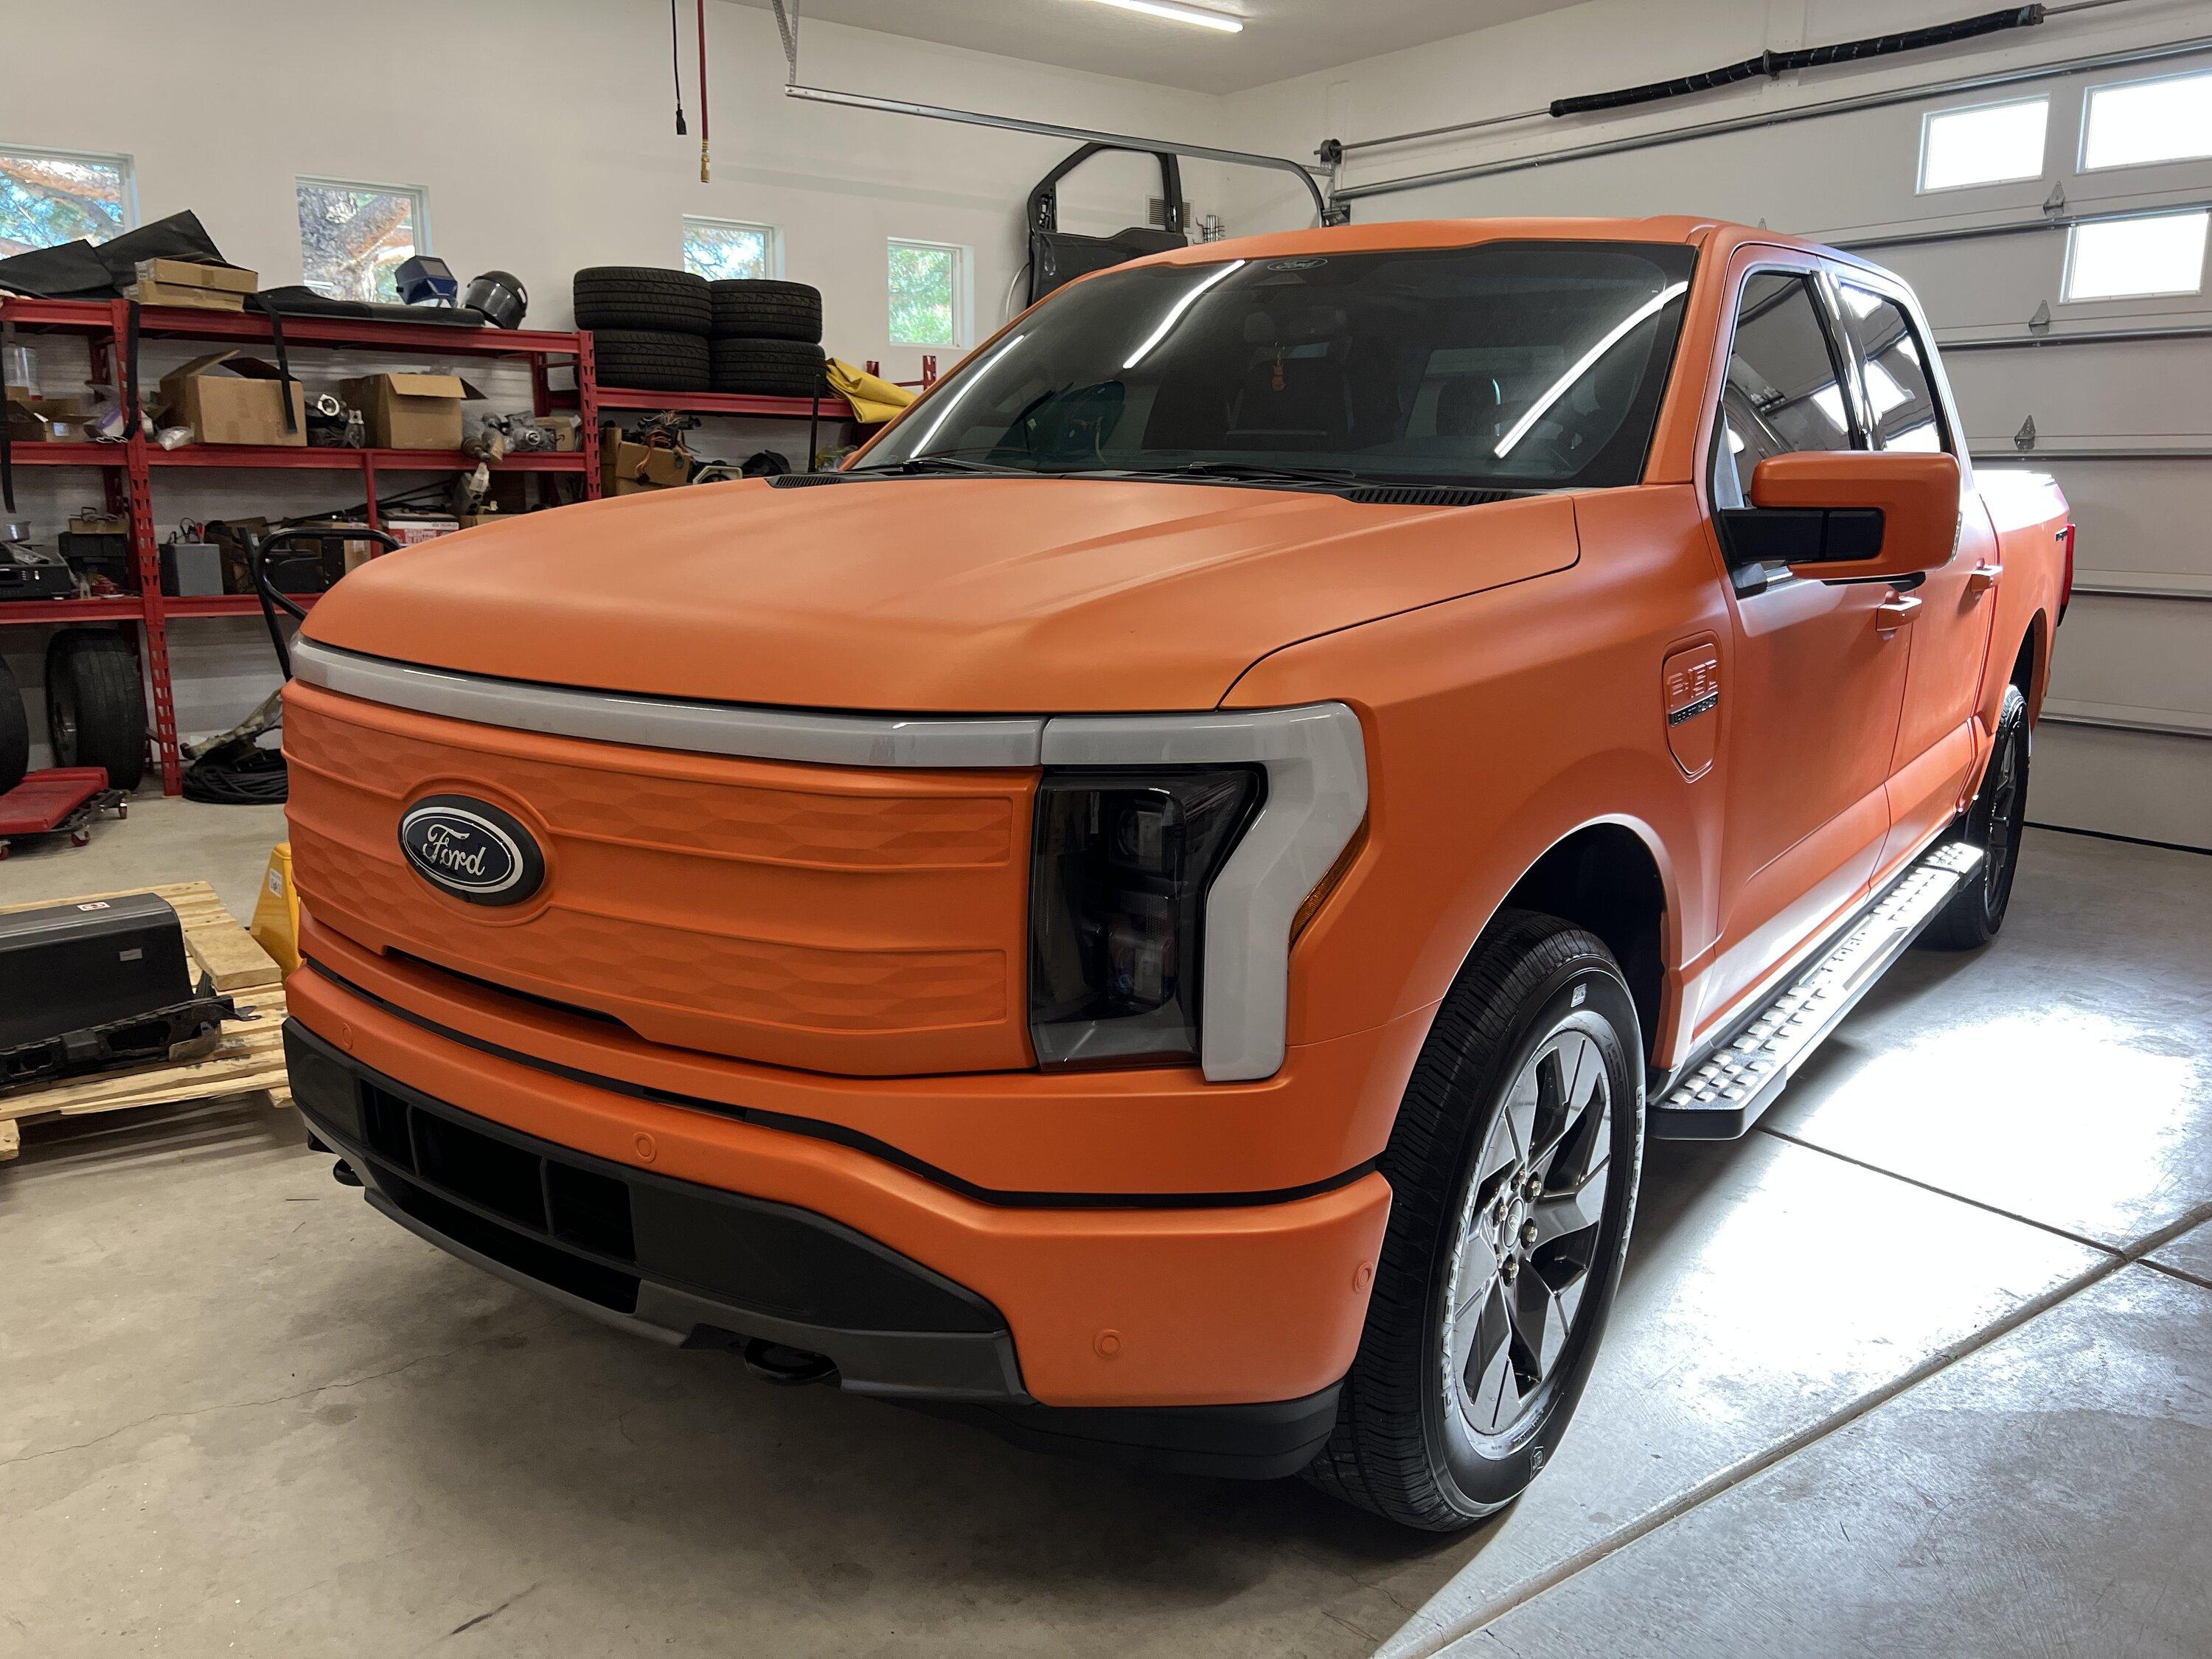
(1157, 907)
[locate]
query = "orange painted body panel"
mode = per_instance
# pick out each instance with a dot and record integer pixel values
(831, 918)
(1210, 1306)
(847, 947)
(1329, 1108)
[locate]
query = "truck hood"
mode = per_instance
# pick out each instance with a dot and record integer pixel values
(926, 595)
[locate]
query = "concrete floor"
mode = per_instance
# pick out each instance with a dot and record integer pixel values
(1923, 1365)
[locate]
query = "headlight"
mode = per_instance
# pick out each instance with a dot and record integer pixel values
(1170, 855)
(1122, 863)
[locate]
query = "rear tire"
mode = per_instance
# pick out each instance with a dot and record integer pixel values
(95, 704)
(1513, 1167)
(14, 733)
(1993, 823)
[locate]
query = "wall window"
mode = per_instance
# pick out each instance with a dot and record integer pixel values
(2139, 122)
(721, 249)
(929, 294)
(1986, 144)
(354, 238)
(2131, 259)
(48, 197)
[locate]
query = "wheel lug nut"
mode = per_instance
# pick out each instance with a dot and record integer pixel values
(1528, 1234)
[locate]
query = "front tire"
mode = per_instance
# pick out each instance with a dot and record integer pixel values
(1993, 823)
(1513, 1169)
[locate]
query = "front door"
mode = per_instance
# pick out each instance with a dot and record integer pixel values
(1819, 673)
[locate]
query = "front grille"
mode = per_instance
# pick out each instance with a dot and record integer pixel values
(834, 919)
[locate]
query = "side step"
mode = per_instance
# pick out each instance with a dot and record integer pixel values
(1723, 1098)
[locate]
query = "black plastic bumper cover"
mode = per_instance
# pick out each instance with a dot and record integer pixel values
(699, 1267)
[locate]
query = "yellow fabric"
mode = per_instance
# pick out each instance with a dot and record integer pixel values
(873, 397)
(277, 912)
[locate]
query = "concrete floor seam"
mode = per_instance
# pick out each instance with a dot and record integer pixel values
(2082, 1239)
(1759, 1463)
(1726, 1479)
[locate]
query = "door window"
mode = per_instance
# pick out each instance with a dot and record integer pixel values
(1784, 391)
(1900, 394)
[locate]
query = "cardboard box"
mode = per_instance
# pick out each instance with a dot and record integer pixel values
(32, 419)
(626, 468)
(187, 273)
(192, 299)
(410, 412)
(229, 398)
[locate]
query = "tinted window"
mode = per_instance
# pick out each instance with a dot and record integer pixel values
(1900, 397)
(1530, 364)
(1783, 392)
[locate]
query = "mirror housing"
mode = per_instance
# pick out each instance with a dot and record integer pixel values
(1848, 515)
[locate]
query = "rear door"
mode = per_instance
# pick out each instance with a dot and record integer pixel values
(1905, 405)
(1818, 682)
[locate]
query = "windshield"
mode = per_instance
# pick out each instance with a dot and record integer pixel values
(1534, 365)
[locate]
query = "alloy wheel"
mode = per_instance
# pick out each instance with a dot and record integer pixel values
(1528, 1234)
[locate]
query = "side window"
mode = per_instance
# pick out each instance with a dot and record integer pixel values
(1900, 395)
(1785, 392)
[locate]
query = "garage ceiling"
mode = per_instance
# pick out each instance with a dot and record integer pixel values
(1281, 38)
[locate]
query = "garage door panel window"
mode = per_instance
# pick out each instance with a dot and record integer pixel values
(1785, 392)
(2147, 256)
(1900, 395)
(355, 237)
(1984, 144)
(51, 197)
(2142, 122)
(730, 249)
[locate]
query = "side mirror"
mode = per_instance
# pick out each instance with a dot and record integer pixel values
(1848, 515)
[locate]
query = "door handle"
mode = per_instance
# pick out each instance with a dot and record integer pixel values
(1982, 578)
(1894, 612)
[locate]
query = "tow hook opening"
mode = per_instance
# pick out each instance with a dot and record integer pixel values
(787, 1368)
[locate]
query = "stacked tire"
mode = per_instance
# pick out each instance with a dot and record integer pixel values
(669, 330)
(766, 337)
(649, 327)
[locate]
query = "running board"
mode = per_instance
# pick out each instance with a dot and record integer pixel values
(1723, 1098)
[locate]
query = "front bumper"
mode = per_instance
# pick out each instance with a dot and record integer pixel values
(1209, 1339)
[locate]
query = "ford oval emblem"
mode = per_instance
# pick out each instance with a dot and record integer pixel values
(471, 849)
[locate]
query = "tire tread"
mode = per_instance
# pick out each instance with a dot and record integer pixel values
(1378, 1457)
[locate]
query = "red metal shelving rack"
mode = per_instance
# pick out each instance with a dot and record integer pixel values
(127, 469)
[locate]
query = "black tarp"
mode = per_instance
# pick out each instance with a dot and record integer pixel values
(89, 271)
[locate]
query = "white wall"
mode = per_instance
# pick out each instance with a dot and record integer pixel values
(544, 132)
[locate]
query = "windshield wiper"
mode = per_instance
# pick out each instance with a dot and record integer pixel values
(1333, 477)
(926, 463)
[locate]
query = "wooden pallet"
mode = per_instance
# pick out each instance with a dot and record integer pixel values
(248, 1058)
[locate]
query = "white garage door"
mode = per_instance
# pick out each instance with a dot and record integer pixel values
(2068, 282)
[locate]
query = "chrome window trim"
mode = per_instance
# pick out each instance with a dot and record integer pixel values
(1314, 757)
(708, 728)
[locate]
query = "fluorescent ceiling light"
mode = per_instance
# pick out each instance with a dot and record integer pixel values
(1176, 12)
